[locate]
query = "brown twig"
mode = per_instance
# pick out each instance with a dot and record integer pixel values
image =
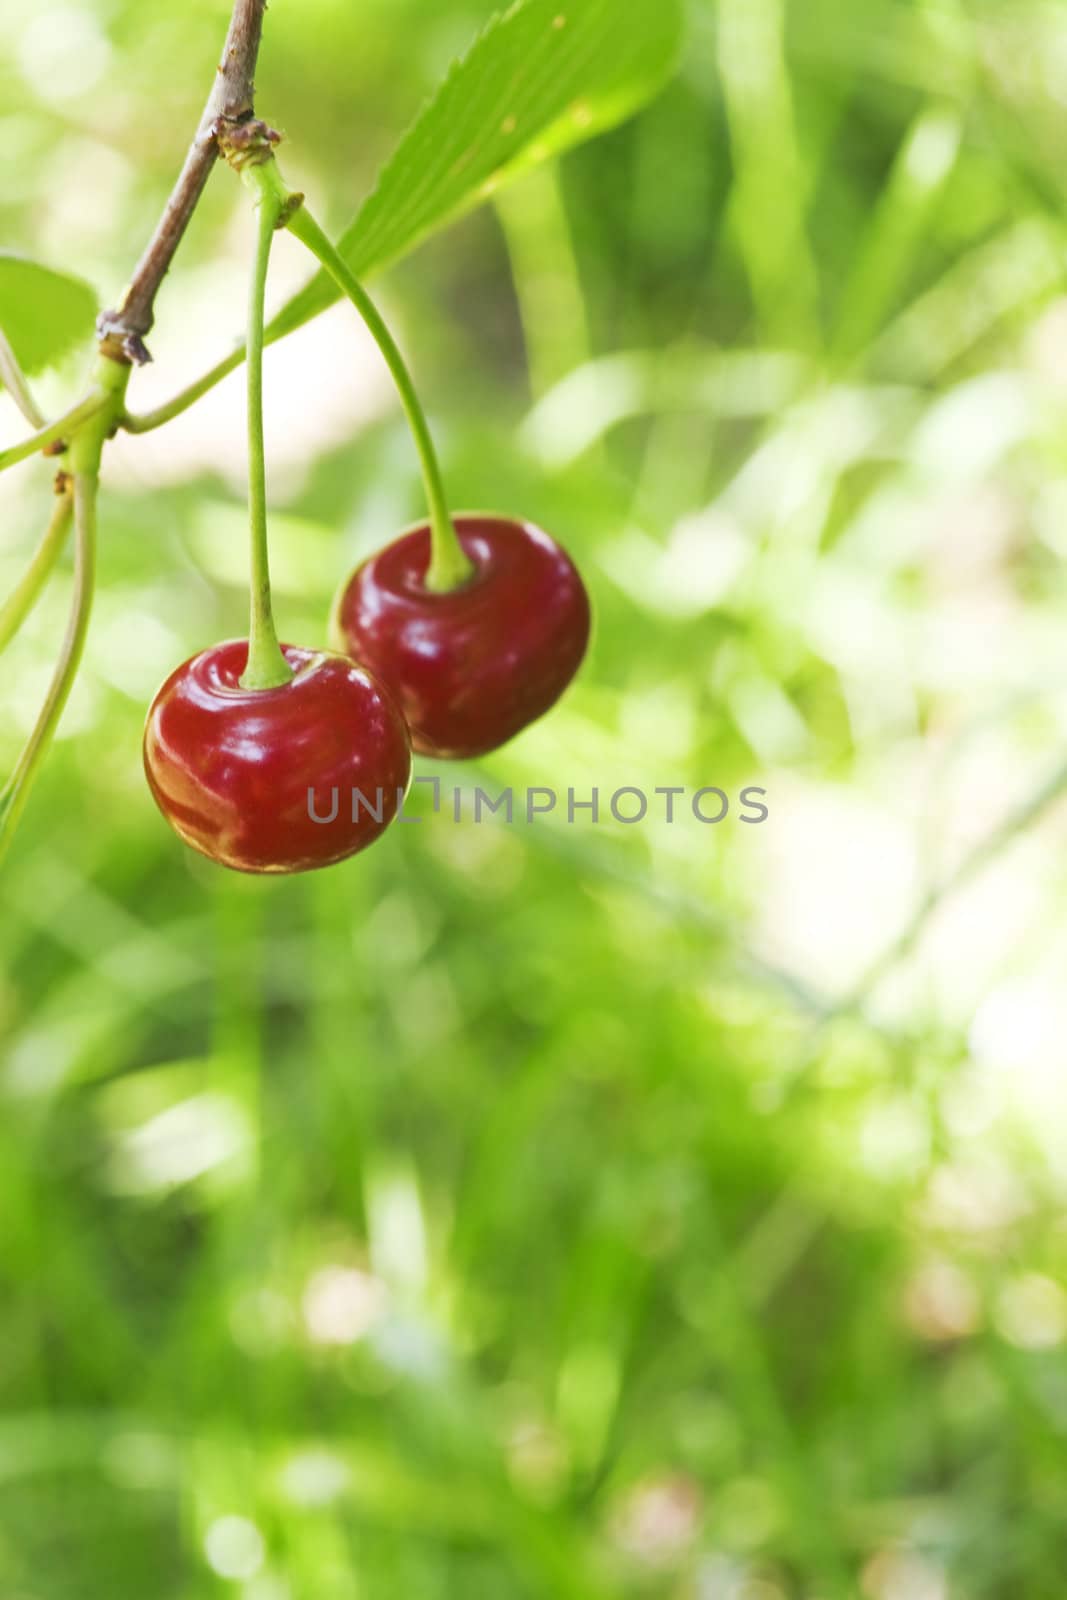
(122, 331)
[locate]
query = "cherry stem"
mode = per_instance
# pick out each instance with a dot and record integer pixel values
(146, 421)
(16, 791)
(14, 381)
(449, 564)
(63, 428)
(266, 667)
(23, 597)
(88, 425)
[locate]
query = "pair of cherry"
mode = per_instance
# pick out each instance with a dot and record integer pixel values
(249, 776)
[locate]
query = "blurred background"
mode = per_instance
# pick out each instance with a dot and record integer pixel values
(568, 1212)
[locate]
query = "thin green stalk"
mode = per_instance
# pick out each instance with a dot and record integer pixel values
(449, 564)
(14, 381)
(63, 428)
(147, 420)
(96, 416)
(267, 666)
(16, 791)
(23, 597)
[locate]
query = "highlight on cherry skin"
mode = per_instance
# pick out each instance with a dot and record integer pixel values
(231, 768)
(473, 665)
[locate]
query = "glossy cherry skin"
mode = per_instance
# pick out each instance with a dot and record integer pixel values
(231, 768)
(474, 666)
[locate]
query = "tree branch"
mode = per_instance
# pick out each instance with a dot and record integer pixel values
(122, 331)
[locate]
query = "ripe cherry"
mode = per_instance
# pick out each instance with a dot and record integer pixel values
(281, 779)
(473, 664)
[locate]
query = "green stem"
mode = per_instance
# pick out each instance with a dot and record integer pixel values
(146, 421)
(23, 597)
(64, 427)
(16, 791)
(267, 666)
(14, 381)
(96, 416)
(449, 564)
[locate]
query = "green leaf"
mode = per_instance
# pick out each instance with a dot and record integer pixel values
(43, 313)
(542, 76)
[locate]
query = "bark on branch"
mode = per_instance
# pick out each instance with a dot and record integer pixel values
(231, 101)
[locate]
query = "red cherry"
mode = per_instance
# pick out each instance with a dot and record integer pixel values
(472, 666)
(231, 768)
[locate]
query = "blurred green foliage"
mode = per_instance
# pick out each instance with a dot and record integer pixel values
(556, 1211)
